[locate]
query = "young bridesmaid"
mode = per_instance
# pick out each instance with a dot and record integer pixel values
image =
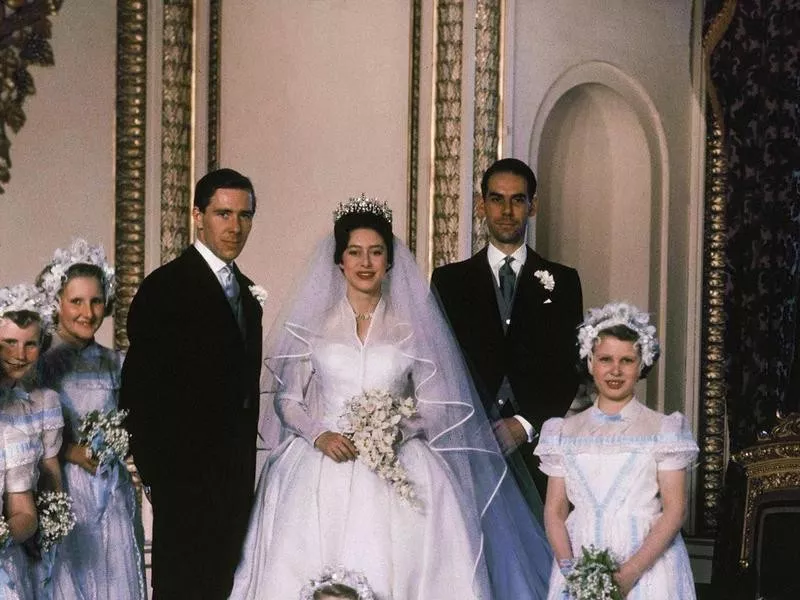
(621, 465)
(103, 556)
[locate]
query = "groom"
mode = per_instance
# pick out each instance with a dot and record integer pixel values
(515, 315)
(191, 383)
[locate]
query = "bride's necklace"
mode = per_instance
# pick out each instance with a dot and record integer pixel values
(365, 316)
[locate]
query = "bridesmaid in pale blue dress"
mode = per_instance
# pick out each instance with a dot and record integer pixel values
(17, 477)
(103, 556)
(27, 409)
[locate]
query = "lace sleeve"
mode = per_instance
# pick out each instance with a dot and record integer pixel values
(295, 401)
(549, 448)
(676, 447)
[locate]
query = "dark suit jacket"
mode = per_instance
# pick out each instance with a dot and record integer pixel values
(191, 383)
(538, 352)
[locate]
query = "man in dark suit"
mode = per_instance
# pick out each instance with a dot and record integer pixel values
(515, 315)
(191, 383)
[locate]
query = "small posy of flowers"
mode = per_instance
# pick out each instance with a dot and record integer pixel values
(56, 518)
(5, 534)
(104, 436)
(592, 576)
(259, 293)
(546, 279)
(354, 580)
(372, 421)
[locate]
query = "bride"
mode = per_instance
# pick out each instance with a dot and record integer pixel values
(364, 321)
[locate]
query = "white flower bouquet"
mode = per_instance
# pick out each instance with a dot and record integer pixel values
(372, 421)
(104, 436)
(592, 576)
(353, 580)
(56, 518)
(5, 534)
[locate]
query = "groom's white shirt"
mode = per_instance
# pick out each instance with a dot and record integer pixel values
(214, 262)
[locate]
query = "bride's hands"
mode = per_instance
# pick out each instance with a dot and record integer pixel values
(336, 447)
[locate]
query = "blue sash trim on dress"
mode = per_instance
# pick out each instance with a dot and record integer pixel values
(48, 562)
(105, 480)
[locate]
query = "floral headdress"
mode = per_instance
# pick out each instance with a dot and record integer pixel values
(27, 297)
(332, 575)
(54, 274)
(619, 313)
(362, 204)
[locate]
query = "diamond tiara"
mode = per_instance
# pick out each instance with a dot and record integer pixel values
(362, 204)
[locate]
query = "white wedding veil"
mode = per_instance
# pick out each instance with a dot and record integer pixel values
(455, 424)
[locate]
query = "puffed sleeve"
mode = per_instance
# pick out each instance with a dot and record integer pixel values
(676, 448)
(21, 478)
(549, 448)
(52, 423)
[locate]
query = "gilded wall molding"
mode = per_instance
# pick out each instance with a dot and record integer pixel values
(214, 58)
(488, 64)
(413, 124)
(176, 127)
(447, 132)
(712, 381)
(130, 159)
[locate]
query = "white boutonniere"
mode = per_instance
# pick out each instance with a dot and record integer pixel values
(546, 279)
(259, 293)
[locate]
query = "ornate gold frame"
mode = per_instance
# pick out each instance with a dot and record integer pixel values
(772, 465)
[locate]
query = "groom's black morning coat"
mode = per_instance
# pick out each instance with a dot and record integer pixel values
(191, 383)
(537, 352)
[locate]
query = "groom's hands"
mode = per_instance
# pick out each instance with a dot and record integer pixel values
(336, 447)
(510, 434)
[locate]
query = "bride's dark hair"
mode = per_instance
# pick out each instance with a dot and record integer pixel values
(361, 220)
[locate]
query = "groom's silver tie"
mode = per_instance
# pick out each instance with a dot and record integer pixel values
(231, 288)
(507, 280)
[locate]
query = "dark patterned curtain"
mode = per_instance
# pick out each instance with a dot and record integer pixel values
(754, 96)
(754, 73)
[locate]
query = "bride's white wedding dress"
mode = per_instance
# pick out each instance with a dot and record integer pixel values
(312, 512)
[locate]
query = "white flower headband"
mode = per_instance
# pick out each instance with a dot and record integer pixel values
(54, 274)
(362, 204)
(332, 575)
(25, 297)
(619, 313)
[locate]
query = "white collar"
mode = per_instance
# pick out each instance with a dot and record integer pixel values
(496, 257)
(214, 261)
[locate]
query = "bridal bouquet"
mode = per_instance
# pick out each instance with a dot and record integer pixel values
(353, 582)
(592, 576)
(5, 534)
(104, 436)
(56, 518)
(372, 421)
